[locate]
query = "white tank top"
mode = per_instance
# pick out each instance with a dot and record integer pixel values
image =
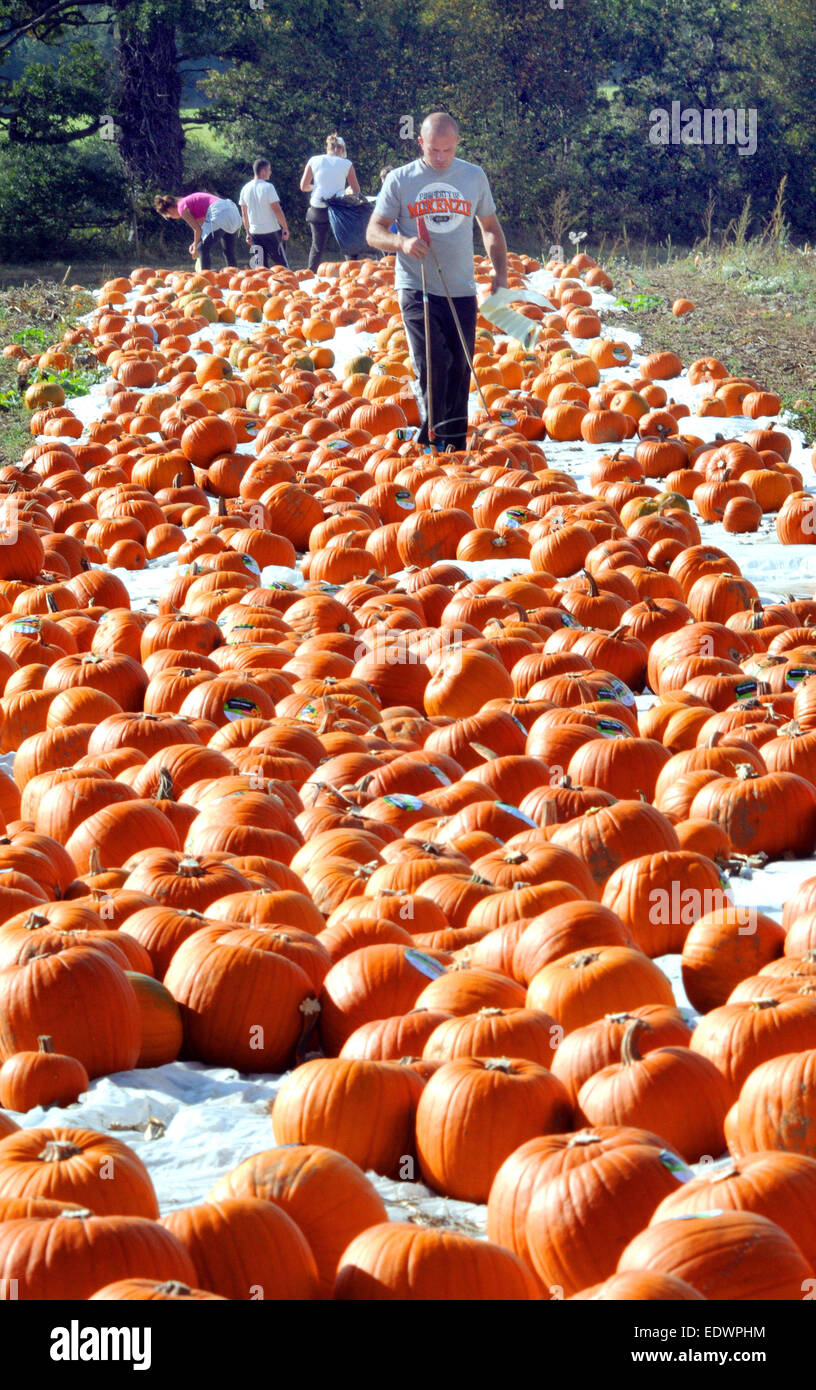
(329, 173)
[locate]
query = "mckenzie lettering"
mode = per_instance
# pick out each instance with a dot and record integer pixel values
(426, 206)
(75, 1343)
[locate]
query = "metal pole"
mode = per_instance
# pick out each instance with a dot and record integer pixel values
(429, 393)
(465, 347)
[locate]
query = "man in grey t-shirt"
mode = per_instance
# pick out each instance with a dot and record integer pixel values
(447, 194)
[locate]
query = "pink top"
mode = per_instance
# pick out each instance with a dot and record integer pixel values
(196, 204)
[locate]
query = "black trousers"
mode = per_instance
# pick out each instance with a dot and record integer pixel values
(450, 373)
(318, 220)
(229, 241)
(271, 244)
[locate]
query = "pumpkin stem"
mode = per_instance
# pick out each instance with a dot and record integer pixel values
(190, 867)
(164, 791)
(586, 958)
(310, 1008)
(45, 1043)
(57, 1150)
(630, 1052)
(94, 861)
(34, 921)
(499, 1064)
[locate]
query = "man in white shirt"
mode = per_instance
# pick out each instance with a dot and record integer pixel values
(264, 220)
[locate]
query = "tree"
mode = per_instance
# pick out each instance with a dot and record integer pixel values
(139, 94)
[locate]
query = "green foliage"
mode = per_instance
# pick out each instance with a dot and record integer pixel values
(640, 303)
(555, 101)
(71, 198)
(58, 103)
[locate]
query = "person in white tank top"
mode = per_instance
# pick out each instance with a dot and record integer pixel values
(325, 176)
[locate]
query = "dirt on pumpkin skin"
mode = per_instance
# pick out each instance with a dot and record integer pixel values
(760, 327)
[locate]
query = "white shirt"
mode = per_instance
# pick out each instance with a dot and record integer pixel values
(329, 173)
(257, 197)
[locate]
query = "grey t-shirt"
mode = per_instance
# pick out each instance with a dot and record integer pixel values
(448, 202)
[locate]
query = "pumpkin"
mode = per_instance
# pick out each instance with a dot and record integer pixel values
(78, 997)
(776, 1185)
(580, 987)
(735, 1255)
(645, 1090)
(66, 1256)
(364, 1110)
(150, 1290)
(328, 1197)
(516, 1033)
(585, 1051)
(246, 1248)
(775, 1107)
(580, 1221)
(722, 948)
(638, 1286)
(388, 1039)
(44, 1077)
(77, 1165)
(396, 1260)
(239, 1007)
(660, 896)
(161, 1021)
(475, 1111)
(738, 1037)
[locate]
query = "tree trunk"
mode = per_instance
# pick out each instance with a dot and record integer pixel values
(151, 139)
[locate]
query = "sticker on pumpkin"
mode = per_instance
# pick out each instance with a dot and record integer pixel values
(307, 712)
(425, 964)
(440, 775)
(28, 626)
(251, 564)
(700, 1215)
(405, 433)
(676, 1165)
(507, 417)
(237, 708)
(797, 674)
(623, 693)
(338, 446)
(281, 585)
(515, 517)
(404, 499)
(403, 801)
(746, 690)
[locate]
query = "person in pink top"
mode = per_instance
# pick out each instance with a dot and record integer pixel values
(211, 218)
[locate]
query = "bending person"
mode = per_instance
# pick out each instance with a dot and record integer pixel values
(212, 219)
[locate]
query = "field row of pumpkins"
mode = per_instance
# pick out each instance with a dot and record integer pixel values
(399, 834)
